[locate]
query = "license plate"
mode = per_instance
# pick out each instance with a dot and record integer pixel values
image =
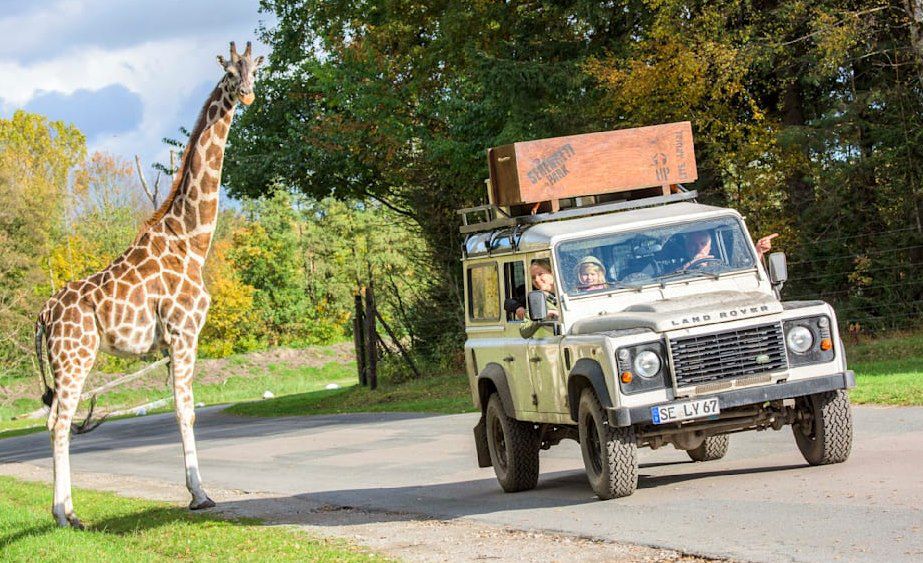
(685, 411)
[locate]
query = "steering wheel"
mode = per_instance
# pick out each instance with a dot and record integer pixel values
(701, 262)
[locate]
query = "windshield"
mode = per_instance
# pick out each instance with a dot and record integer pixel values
(655, 255)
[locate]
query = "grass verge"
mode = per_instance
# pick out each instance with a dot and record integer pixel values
(121, 529)
(280, 379)
(889, 370)
(444, 394)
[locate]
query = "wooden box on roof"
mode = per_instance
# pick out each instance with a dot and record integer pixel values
(591, 164)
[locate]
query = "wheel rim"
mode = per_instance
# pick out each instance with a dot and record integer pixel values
(808, 428)
(594, 449)
(496, 431)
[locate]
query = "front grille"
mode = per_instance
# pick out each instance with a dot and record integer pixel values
(728, 355)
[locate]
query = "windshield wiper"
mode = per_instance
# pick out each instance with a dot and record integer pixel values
(683, 271)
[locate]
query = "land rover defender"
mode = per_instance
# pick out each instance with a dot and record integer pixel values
(665, 346)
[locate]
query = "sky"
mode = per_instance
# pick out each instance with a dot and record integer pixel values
(126, 72)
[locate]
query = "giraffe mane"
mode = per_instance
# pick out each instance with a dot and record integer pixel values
(180, 175)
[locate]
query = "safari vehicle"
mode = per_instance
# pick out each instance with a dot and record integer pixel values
(663, 348)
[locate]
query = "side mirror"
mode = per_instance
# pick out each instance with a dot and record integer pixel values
(778, 270)
(538, 308)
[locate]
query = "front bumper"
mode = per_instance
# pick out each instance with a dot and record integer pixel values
(626, 416)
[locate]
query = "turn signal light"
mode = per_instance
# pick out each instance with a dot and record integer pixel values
(826, 344)
(627, 377)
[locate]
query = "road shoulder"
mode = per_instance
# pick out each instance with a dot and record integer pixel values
(404, 536)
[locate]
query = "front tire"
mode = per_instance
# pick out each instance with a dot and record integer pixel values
(712, 448)
(610, 454)
(824, 435)
(513, 447)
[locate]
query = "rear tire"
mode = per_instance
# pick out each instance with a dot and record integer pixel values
(610, 454)
(712, 448)
(513, 447)
(825, 434)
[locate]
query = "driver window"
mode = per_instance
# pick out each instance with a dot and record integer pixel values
(514, 275)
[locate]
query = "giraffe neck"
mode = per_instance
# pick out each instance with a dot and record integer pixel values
(190, 211)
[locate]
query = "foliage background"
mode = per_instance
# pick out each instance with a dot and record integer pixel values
(806, 116)
(282, 271)
(372, 121)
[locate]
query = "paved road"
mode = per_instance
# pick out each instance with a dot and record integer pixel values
(762, 502)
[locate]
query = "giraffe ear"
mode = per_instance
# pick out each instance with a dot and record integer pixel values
(222, 63)
(257, 62)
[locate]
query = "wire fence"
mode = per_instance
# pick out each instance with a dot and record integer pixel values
(878, 288)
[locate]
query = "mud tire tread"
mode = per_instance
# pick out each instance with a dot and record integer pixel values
(833, 429)
(712, 448)
(619, 475)
(522, 447)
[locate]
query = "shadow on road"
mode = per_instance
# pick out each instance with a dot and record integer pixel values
(653, 481)
(447, 501)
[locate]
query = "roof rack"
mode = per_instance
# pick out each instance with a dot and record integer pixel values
(494, 217)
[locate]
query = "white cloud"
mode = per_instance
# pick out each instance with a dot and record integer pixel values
(91, 44)
(56, 28)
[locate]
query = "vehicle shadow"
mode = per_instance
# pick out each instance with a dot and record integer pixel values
(654, 481)
(448, 501)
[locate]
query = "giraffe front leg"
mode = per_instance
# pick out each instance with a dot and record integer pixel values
(182, 363)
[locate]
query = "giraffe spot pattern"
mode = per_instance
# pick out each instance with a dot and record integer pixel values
(150, 297)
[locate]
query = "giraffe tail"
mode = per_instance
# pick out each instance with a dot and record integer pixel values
(88, 424)
(48, 391)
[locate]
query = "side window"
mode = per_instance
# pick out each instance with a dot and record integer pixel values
(483, 293)
(514, 295)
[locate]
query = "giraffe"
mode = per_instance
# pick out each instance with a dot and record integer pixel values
(152, 298)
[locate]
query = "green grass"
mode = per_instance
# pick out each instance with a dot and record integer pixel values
(897, 346)
(437, 394)
(11, 428)
(278, 378)
(122, 529)
(889, 370)
(888, 382)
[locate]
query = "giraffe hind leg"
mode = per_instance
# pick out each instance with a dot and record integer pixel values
(70, 376)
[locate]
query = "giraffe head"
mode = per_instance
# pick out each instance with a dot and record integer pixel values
(240, 70)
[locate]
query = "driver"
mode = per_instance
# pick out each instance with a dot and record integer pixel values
(698, 247)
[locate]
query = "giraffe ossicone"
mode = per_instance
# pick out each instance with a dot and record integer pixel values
(150, 299)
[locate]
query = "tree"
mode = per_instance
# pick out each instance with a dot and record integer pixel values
(266, 257)
(805, 115)
(37, 157)
(104, 210)
(401, 101)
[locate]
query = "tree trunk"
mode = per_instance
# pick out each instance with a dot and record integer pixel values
(914, 10)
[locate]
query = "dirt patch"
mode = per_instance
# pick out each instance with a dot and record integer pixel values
(256, 363)
(404, 536)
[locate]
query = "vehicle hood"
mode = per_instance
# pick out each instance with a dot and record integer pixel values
(682, 312)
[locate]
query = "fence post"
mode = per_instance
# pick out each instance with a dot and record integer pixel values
(359, 338)
(371, 335)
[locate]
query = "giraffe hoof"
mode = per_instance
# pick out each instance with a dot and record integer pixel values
(75, 523)
(207, 503)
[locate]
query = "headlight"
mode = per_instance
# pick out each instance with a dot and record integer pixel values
(647, 364)
(799, 339)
